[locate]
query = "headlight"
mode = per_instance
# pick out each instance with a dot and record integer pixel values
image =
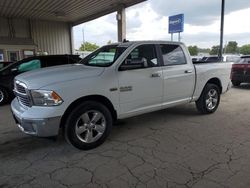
(45, 98)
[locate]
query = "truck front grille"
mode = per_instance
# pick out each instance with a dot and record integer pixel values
(21, 93)
(20, 88)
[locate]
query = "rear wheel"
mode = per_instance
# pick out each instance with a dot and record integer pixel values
(88, 125)
(209, 99)
(4, 97)
(236, 83)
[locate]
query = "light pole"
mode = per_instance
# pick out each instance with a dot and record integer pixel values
(83, 38)
(222, 28)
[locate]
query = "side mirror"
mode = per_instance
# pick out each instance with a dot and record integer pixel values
(130, 64)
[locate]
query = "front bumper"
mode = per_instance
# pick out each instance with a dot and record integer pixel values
(42, 127)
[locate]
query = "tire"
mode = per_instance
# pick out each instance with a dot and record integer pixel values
(4, 96)
(236, 83)
(209, 99)
(88, 125)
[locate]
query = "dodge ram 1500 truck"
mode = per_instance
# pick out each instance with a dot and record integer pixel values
(116, 81)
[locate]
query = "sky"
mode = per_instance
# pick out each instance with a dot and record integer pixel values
(149, 21)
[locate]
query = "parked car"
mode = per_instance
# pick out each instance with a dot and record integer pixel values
(85, 99)
(231, 58)
(209, 59)
(196, 58)
(4, 64)
(241, 71)
(8, 73)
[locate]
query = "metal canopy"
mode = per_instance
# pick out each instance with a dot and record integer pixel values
(73, 11)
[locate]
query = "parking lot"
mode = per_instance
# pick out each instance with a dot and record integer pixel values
(176, 147)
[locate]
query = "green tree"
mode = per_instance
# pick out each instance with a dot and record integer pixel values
(245, 49)
(87, 46)
(204, 50)
(215, 50)
(231, 47)
(109, 42)
(193, 50)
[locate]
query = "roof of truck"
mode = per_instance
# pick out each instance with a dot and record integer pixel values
(129, 43)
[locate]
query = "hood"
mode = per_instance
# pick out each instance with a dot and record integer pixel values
(48, 76)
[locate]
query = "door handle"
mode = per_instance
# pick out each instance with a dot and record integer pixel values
(188, 71)
(154, 75)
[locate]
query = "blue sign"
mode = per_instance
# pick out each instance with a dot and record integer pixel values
(176, 23)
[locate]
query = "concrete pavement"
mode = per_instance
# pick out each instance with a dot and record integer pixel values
(176, 147)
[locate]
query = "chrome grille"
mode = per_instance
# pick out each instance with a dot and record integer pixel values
(21, 93)
(20, 88)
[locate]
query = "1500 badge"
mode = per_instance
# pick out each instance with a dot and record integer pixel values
(126, 88)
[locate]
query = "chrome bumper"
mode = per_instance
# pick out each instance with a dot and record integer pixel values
(44, 127)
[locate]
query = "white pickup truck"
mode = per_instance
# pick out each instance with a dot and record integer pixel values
(117, 81)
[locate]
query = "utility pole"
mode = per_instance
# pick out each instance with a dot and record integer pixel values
(222, 28)
(83, 39)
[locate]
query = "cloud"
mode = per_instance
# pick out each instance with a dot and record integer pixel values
(98, 31)
(197, 12)
(144, 22)
(206, 39)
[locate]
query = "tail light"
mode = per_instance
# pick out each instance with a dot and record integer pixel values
(235, 67)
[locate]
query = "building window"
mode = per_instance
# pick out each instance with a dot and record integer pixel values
(28, 53)
(13, 56)
(1, 56)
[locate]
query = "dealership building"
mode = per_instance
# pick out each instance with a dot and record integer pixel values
(31, 27)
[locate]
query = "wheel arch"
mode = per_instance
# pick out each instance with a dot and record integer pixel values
(8, 93)
(98, 98)
(6, 88)
(215, 81)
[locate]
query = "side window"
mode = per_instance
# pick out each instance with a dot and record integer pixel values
(30, 65)
(54, 61)
(172, 55)
(74, 59)
(143, 56)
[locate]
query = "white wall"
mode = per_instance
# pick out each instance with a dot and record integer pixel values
(45, 36)
(51, 37)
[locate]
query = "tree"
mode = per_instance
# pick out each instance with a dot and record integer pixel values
(109, 42)
(231, 47)
(245, 49)
(87, 46)
(215, 50)
(193, 50)
(204, 50)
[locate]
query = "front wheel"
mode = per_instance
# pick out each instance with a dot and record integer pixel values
(88, 125)
(209, 99)
(4, 97)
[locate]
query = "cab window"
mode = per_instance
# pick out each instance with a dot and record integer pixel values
(143, 56)
(172, 55)
(29, 65)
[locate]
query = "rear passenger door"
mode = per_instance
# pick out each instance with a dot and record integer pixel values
(178, 75)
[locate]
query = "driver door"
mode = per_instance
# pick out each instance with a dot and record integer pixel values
(140, 81)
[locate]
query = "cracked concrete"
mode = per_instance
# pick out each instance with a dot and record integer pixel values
(176, 147)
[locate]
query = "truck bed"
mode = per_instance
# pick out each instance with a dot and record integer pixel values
(205, 71)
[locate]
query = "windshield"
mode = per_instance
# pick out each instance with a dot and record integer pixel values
(104, 56)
